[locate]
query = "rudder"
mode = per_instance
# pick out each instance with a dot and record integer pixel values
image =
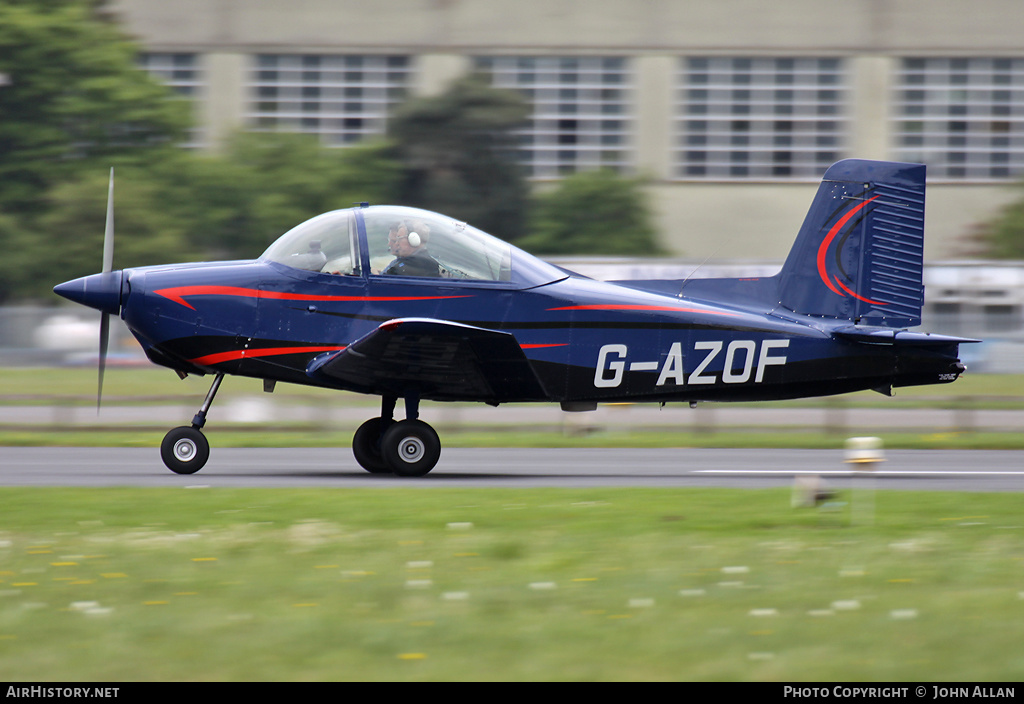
(859, 255)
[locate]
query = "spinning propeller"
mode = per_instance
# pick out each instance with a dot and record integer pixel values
(108, 264)
(100, 291)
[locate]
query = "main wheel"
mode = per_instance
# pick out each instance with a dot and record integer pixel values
(185, 450)
(411, 448)
(366, 446)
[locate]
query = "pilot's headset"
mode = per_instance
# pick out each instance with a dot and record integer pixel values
(414, 239)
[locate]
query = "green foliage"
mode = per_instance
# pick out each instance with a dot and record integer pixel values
(186, 207)
(73, 98)
(237, 203)
(68, 238)
(291, 177)
(73, 104)
(581, 584)
(593, 212)
(1004, 236)
(457, 153)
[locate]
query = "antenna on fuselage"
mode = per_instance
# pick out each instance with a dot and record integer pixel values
(696, 269)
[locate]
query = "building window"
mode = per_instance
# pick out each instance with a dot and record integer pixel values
(181, 72)
(963, 117)
(343, 99)
(581, 115)
(759, 118)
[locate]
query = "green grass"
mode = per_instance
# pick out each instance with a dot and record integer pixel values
(553, 584)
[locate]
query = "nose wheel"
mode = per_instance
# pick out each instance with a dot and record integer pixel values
(185, 450)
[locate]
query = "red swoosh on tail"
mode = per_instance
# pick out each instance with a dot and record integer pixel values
(823, 247)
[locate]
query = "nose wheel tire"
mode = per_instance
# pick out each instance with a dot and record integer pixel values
(366, 446)
(411, 448)
(185, 450)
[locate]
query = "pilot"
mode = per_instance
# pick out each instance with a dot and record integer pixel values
(407, 240)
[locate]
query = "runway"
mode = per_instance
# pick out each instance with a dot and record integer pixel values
(947, 470)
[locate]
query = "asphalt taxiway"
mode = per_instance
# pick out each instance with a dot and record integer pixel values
(949, 470)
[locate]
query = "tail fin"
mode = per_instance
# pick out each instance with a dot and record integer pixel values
(859, 255)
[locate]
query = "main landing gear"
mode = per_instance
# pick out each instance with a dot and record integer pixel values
(185, 450)
(407, 448)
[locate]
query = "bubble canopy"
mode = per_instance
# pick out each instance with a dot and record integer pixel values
(367, 241)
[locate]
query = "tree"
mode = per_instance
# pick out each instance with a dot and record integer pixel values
(592, 212)
(189, 207)
(67, 240)
(1003, 237)
(238, 202)
(73, 98)
(457, 151)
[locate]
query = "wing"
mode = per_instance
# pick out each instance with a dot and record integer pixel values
(436, 359)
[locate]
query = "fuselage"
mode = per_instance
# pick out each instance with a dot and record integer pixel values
(587, 340)
(407, 304)
(325, 285)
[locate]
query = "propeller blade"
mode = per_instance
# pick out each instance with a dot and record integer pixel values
(108, 264)
(108, 230)
(104, 344)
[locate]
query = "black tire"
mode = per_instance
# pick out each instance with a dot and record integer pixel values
(411, 448)
(366, 446)
(185, 450)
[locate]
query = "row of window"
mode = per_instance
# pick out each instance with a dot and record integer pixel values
(733, 118)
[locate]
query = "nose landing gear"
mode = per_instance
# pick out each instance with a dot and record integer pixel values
(185, 450)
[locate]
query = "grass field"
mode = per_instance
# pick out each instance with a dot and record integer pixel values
(520, 584)
(588, 584)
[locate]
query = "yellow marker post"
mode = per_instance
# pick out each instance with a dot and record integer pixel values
(864, 454)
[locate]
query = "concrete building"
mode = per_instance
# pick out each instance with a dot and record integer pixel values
(732, 109)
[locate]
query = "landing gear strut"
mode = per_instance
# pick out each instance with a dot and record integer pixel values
(408, 448)
(185, 449)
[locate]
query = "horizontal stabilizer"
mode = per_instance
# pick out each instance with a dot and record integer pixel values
(887, 336)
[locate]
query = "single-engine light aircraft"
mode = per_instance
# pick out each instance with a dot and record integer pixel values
(408, 304)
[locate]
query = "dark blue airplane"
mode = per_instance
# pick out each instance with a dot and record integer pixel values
(408, 304)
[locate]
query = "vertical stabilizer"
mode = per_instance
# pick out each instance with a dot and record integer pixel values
(859, 255)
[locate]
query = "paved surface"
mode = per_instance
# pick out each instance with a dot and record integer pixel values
(952, 470)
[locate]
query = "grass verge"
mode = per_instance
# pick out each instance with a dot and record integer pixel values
(553, 584)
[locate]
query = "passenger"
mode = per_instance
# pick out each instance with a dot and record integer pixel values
(407, 240)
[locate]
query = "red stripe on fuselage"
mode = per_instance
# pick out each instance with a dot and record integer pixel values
(630, 306)
(234, 355)
(178, 293)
